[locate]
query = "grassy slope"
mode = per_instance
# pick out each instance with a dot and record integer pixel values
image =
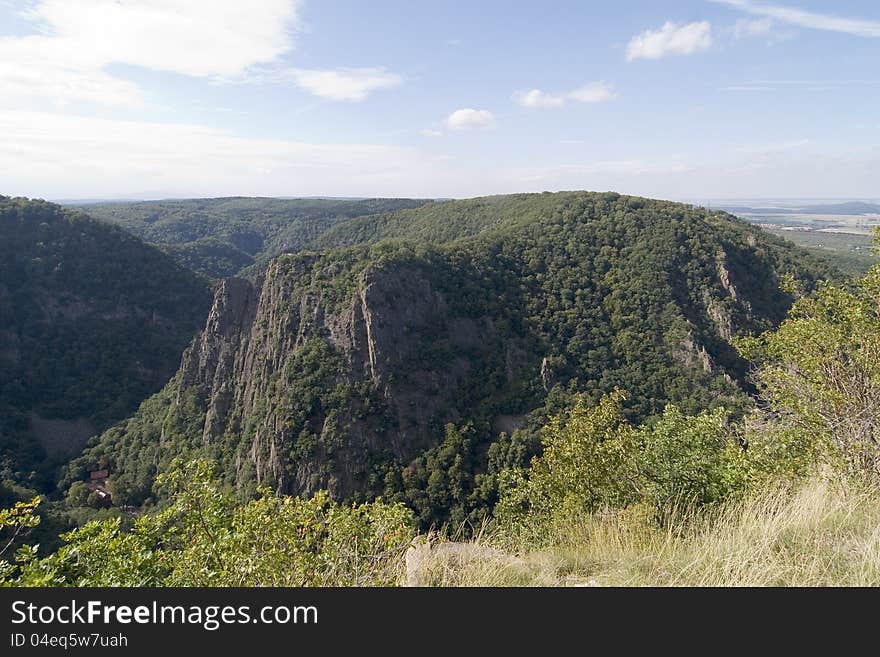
(823, 534)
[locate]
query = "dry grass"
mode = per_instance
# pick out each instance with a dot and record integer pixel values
(822, 534)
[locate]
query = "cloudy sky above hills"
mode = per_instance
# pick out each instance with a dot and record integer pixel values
(695, 99)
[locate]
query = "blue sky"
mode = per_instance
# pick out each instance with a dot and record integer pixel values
(694, 99)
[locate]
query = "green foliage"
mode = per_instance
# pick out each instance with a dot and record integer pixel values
(547, 304)
(530, 300)
(594, 459)
(79, 495)
(613, 288)
(819, 372)
(444, 484)
(166, 426)
(20, 517)
(205, 538)
(850, 253)
(221, 237)
(92, 321)
(14, 522)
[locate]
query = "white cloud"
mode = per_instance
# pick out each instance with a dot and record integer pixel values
(79, 39)
(431, 132)
(22, 78)
(595, 92)
(470, 119)
(670, 39)
(537, 98)
(59, 155)
(808, 19)
(53, 155)
(351, 84)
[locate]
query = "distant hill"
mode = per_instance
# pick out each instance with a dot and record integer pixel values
(414, 359)
(92, 321)
(220, 237)
(846, 208)
(850, 207)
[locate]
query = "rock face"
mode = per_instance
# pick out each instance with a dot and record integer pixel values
(341, 369)
(320, 371)
(286, 370)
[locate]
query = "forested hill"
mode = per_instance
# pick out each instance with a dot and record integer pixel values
(415, 369)
(219, 237)
(92, 321)
(446, 221)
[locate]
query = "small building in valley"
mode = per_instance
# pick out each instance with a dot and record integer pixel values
(98, 485)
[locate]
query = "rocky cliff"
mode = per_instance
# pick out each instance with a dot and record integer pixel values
(395, 368)
(285, 368)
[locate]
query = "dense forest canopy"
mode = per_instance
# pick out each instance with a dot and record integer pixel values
(785, 496)
(92, 321)
(419, 367)
(220, 237)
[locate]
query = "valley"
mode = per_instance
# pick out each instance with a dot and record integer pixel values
(419, 356)
(365, 367)
(841, 232)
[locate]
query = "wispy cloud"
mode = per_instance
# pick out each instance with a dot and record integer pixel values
(768, 29)
(632, 167)
(670, 39)
(807, 19)
(346, 84)
(63, 155)
(750, 27)
(537, 98)
(772, 147)
(595, 92)
(815, 85)
(466, 118)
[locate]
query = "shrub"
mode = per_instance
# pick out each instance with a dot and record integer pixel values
(203, 538)
(819, 373)
(594, 459)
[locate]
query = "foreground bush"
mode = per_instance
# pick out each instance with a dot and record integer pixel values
(593, 458)
(819, 372)
(204, 539)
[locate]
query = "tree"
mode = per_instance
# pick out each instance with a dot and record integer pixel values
(594, 459)
(14, 522)
(205, 538)
(819, 372)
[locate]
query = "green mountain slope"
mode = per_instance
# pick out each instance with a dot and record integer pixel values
(92, 321)
(416, 370)
(220, 237)
(446, 221)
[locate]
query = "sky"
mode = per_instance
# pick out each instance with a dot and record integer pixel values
(685, 100)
